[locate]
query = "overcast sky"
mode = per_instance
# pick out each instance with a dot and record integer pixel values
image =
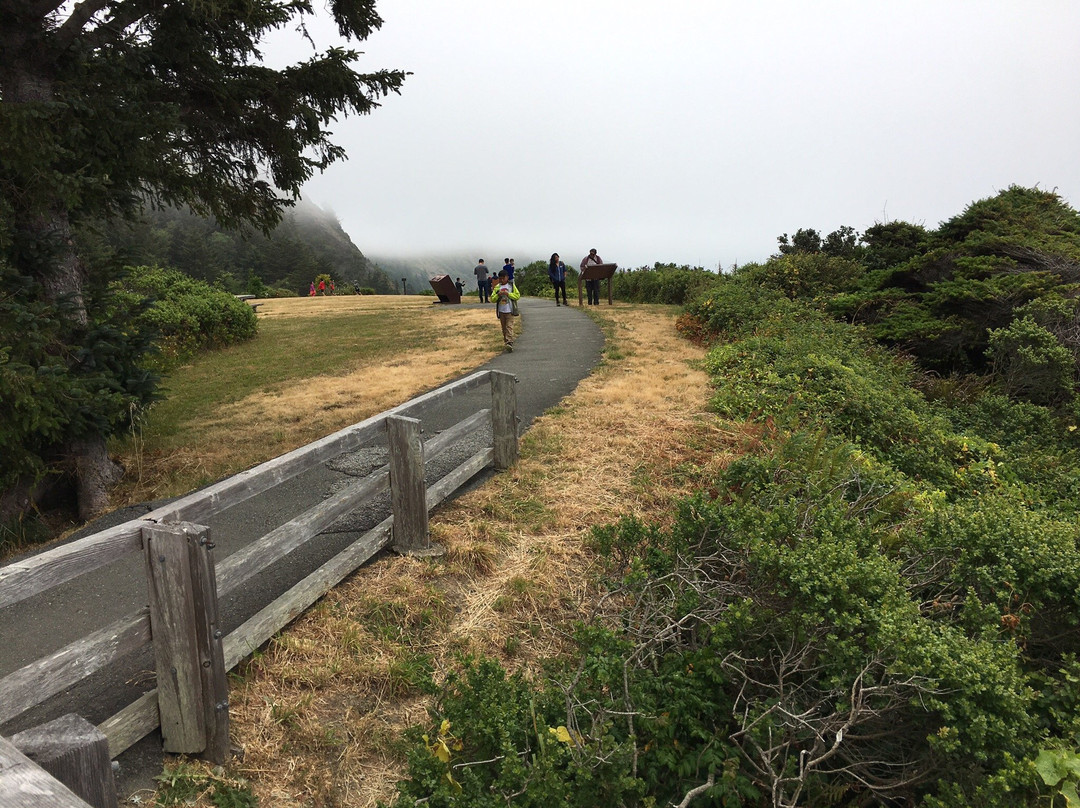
(695, 132)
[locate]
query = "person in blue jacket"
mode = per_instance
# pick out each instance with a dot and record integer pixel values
(557, 273)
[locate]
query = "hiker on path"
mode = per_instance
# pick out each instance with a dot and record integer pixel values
(592, 287)
(483, 281)
(505, 297)
(557, 273)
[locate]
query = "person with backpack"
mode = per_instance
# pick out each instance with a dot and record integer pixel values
(506, 297)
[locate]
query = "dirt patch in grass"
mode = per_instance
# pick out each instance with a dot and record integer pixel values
(319, 712)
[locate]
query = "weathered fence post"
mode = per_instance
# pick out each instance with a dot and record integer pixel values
(24, 784)
(408, 491)
(76, 753)
(504, 418)
(192, 688)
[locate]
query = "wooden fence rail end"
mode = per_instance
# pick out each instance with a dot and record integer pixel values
(24, 784)
(76, 753)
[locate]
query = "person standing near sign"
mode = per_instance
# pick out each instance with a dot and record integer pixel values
(592, 288)
(557, 273)
(483, 281)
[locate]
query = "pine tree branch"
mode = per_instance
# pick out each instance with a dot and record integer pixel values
(73, 25)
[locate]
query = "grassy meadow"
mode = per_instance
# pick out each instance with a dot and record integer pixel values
(315, 366)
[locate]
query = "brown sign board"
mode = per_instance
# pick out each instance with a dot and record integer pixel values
(597, 272)
(446, 290)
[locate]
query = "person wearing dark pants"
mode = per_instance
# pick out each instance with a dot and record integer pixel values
(592, 287)
(483, 281)
(557, 273)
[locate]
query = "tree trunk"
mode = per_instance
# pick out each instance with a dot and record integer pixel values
(63, 275)
(95, 473)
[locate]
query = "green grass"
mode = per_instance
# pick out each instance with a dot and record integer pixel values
(285, 350)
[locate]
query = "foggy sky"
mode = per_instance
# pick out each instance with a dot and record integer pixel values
(696, 132)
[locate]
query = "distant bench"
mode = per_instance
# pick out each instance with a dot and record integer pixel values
(248, 299)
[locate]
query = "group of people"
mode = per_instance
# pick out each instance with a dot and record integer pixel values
(506, 293)
(557, 274)
(506, 296)
(322, 288)
(484, 277)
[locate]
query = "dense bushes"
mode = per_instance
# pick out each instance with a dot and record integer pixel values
(881, 604)
(1003, 258)
(664, 283)
(50, 396)
(186, 314)
(61, 381)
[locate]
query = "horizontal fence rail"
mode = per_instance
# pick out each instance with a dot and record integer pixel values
(48, 569)
(42, 679)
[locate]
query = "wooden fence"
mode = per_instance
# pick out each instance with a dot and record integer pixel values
(192, 655)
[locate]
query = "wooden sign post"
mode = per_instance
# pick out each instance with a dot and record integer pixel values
(596, 272)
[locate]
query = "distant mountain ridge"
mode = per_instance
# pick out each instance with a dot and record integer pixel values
(309, 241)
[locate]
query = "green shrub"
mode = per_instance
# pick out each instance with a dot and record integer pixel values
(495, 738)
(728, 307)
(664, 283)
(60, 380)
(1031, 364)
(805, 274)
(187, 314)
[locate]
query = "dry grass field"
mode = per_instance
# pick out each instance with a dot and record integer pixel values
(317, 365)
(318, 713)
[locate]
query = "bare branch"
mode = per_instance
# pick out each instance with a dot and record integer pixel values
(697, 791)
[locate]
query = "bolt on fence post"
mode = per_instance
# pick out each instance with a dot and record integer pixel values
(504, 418)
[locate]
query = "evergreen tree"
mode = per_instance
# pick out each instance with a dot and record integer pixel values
(106, 102)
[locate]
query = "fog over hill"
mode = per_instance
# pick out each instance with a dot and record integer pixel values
(309, 241)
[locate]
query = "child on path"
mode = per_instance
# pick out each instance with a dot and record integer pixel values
(504, 306)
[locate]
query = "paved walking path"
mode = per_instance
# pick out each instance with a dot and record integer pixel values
(557, 348)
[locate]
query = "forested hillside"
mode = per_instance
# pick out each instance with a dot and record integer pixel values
(308, 242)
